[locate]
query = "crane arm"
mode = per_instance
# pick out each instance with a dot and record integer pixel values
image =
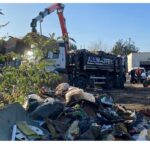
(59, 7)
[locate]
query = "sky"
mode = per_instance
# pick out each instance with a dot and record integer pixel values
(86, 23)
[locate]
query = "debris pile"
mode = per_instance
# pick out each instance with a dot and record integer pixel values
(70, 113)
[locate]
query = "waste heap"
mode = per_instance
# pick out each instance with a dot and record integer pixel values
(70, 113)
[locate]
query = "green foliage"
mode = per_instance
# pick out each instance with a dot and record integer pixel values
(42, 43)
(29, 77)
(124, 48)
(17, 83)
(5, 58)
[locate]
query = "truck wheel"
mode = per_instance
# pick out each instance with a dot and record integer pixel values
(109, 83)
(145, 83)
(80, 82)
(119, 83)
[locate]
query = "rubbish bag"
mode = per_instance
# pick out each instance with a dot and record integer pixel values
(87, 136)
(61, 127)
(73, 131)
(33, 101)
(110, 115)
(120, 131)
(51, 108)
(109, 137)
(61, 89)
(142, 136)
(96, 130)
(52, 130)
(84, 125)
(74, 93)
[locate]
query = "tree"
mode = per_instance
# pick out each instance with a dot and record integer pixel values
(97, 46)
(17, 82)
(124, 48)
(2, 44)
(42, 43)
(2, 39)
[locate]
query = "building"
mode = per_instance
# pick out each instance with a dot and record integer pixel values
(140, 59)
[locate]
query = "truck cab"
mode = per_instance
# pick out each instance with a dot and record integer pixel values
(57, 59)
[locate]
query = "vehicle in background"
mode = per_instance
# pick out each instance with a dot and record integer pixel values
(143, 75)
(146, 82)
(148, 73)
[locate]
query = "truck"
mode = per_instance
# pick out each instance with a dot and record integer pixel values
(82, 67)
(87, 68)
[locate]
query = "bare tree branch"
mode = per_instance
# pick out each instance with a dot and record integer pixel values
(1, 12)
(4, 24)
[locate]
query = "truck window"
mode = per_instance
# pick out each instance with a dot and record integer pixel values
(55, 55)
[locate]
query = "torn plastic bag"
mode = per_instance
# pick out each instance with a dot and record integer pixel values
(50, 108)
(105, 100)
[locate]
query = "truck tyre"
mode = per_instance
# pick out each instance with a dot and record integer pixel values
(80, 82)
(109, 83)
(145, 83)
(119, 83)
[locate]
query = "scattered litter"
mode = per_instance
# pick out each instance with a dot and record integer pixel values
(80, 116)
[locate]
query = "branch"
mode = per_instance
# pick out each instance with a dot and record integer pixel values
(4, 24)
(1, 12)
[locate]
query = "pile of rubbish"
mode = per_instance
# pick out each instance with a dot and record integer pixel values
(70, 113)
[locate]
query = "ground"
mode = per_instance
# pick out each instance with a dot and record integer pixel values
(133, 96)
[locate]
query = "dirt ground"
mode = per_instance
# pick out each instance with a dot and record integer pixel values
(133, 96)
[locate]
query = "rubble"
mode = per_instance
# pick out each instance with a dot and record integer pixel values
(72, 114)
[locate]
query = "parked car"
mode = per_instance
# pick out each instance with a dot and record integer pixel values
(146, 82)
(143, 75)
